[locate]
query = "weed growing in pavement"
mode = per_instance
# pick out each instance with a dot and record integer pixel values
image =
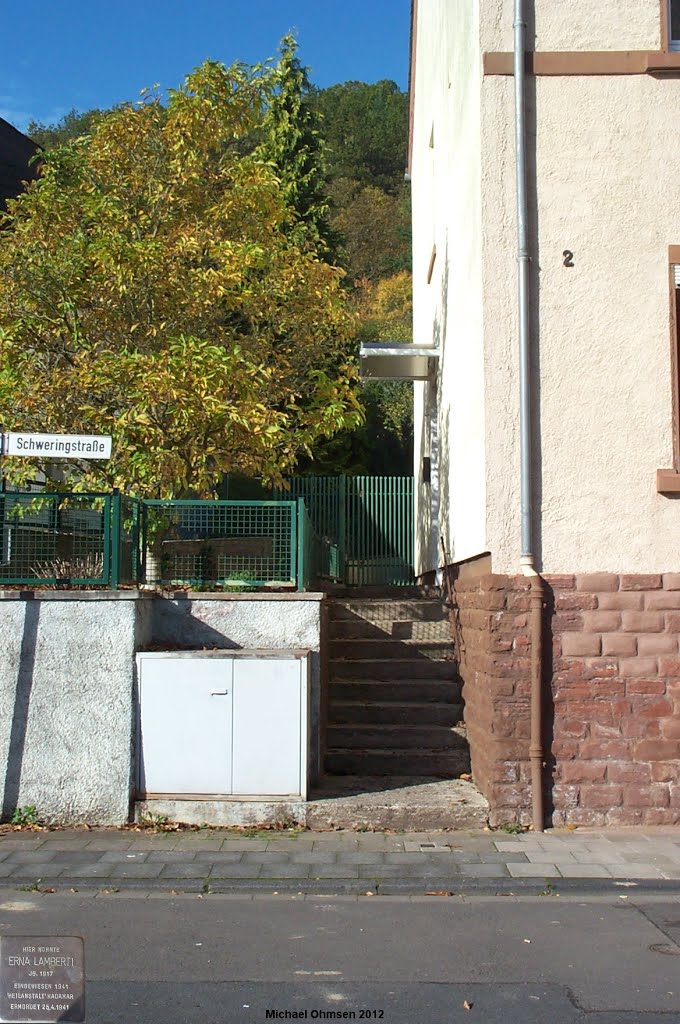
(25, 815)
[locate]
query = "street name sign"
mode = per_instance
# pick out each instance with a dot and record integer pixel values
(42, 978)
(57, 446)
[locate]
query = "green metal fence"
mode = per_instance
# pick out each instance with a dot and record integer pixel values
(364, 524)
(52, 539)
(356, 530)
(230, 543)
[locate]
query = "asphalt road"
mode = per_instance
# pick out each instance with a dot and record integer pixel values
(577, 959)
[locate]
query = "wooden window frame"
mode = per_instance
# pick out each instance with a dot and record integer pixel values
(668, 480)
(668, 44)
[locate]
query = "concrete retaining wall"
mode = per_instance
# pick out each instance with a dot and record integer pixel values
(67, 684)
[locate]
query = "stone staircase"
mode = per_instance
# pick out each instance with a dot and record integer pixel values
(395, 697)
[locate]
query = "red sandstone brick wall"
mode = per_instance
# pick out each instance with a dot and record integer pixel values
(612, 687)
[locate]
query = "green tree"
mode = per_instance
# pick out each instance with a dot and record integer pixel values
(383, 443)
(69, 127)
(366, 130)
(292, 143)
(150, 289)
(375, 227)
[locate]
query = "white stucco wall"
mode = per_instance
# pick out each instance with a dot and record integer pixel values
(564, 25)
(605, 165)
(232, 621)
(66, 713)
(67, 685)
(446, 176)
(604, 160)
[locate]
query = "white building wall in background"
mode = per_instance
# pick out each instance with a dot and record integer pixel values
(446, 176)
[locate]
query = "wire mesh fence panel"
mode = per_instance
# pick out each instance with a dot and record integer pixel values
(229, 543)
(55, 539)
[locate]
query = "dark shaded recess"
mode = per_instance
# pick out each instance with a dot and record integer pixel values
(16, 152)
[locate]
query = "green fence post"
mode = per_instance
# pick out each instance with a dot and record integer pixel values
(116, 535)
(299, 542)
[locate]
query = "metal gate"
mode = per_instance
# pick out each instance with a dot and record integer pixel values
(365, 524)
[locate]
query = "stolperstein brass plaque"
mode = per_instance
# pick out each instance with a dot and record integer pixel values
(42, 978)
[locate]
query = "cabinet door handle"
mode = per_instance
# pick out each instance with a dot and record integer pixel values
(219, 693)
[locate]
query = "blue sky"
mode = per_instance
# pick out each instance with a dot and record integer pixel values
(60, 54)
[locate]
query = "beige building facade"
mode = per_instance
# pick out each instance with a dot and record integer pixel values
(602, 146)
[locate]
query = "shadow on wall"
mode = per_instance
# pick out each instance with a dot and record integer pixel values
(173, 627)
(22, 700)
(432, 510)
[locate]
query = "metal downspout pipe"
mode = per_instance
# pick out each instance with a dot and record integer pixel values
(527, 557)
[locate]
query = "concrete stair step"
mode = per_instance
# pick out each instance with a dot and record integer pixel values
(371, 650)
(348, 712)
(436, 763)
(386, 668)
(419, 691)
(399, 738)
(429, 631)
(423, 609)
(417, 803)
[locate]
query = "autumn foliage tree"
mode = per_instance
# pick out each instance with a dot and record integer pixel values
(153, 286)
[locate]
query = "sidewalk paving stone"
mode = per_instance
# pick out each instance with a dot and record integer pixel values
(641, 871)
(484, 870)
(405, 858)
(285, 871)
(552, 857)
(584, 870)
(503, 858)
(245, 845)
(124, 856)
(134, 870)
(73, 857)
(29, 856)
(98, 869)
(191, 870)
(273, 857)
(236, 870)
(334, 871)
(361, 857)
(314, 857)
(220, 856)
(168, 856)
(23, 844)
(104, 843)
(533, 871)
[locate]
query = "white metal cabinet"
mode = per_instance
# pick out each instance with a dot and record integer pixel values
(223, 722)
(185, 725)
(268, 726)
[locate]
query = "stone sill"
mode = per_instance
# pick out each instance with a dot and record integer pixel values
(586, 62)
(667, 481)
(28, 594)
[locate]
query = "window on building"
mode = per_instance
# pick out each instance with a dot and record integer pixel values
(674, 24)
(675, 359)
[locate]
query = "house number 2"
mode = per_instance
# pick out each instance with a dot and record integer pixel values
(568, 258)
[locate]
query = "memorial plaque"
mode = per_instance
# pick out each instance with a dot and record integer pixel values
(42, 978)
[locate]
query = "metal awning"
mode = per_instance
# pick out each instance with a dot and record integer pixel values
(397, 360)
